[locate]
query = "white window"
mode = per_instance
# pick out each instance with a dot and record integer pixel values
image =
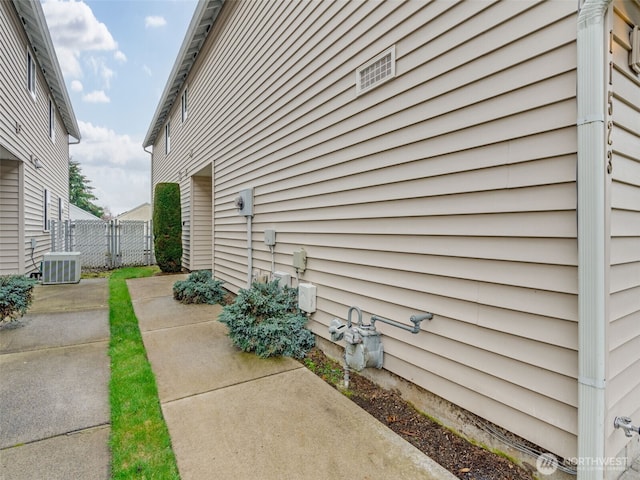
(376, 71)
(46, 210)
(52, 121)
(184, 105)
(31, 75)
(167, 138)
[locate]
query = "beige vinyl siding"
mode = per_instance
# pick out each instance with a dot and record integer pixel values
(201, 224)
(449, 189)
(624, 274)
(10, 218)
(32, 136)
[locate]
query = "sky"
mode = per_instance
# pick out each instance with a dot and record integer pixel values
(116, 56)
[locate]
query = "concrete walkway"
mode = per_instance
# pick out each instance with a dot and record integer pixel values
(230, 415)
(234, 416)
(54, 374)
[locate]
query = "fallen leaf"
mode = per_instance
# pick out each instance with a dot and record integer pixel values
(464, 470)
(392, 419)
(411, 434)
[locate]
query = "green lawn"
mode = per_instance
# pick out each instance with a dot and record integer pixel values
(140, 442)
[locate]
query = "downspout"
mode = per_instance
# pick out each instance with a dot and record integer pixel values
(591, 178)
(151, 245)
(249, 251)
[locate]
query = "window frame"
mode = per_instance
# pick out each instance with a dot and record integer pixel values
(46, 210)
(31, 74)
(167, 138)
(184, 108)
(60, 208)
(369, 63)
(52, 120)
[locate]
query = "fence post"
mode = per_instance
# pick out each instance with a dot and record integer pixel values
(116, 243)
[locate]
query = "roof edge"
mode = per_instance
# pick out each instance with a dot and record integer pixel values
(205, 14)
(55, 81)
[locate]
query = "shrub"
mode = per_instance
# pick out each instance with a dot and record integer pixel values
(265, 319)
(167, 227)
(15, 296)
(199, 287)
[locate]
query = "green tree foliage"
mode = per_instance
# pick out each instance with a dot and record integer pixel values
(265, 319)
(167, 227)
(80, 191)
(15, 296)
(200, 287)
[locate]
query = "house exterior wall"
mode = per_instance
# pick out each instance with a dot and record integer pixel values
(24, 132)
(141, 212)
(623, 391)
(201, 245)
(449, 189)
(10, 218)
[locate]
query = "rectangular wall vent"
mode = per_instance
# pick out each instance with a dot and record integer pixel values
(634, 54)
(376, 71)
(61, 267)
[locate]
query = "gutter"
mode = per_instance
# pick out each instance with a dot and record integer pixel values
(592, 291)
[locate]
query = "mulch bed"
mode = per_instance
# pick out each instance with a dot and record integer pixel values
(463, 459)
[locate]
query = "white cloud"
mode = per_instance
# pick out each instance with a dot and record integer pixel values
(76, 85)
(74, 30)
(116, 165)
(154, 21)
(97, 96)
(120, 56)
(147, 70)
(100, 70)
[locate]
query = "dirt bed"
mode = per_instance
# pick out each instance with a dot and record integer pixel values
(463, 459)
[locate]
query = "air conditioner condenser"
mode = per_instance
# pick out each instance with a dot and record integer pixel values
(60, 267)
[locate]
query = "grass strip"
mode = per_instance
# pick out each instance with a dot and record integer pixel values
(140, 442)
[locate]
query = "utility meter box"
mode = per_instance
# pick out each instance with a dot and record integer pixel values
(283, 278)
(300, 260)
(307, 297)
(363, 348)
(244, 202)
(270, 237)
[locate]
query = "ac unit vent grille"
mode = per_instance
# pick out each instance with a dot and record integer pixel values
(61, 267)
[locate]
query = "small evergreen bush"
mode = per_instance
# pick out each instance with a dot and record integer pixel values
(199, 287)
(265, 319)
(167, 227)
(15, 296)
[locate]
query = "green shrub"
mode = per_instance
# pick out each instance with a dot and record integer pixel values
(265, 319)
(199, 287)
(15, 296)
(167, 227)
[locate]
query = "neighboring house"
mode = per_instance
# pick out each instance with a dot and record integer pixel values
(77, 213)
(476, 160)
(36, 123)
(141, 212)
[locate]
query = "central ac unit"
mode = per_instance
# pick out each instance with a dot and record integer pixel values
(60, 267)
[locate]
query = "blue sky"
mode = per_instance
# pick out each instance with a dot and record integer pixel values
(116, 56)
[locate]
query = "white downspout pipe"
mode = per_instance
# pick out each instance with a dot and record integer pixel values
(249, 251)
(591, 178)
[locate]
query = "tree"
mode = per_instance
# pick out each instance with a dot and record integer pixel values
(80, 191)
(167, 227)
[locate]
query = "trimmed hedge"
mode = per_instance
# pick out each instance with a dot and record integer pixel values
(167, 227)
